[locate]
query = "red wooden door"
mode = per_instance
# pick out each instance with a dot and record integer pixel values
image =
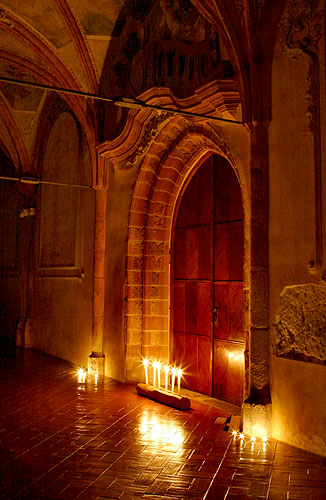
(208, 283)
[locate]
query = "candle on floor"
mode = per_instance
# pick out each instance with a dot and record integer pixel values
(159, 366)
(145, 363)
(179, 372)
(80, 375)
(154, 372)
(166, 370)
(174, 372)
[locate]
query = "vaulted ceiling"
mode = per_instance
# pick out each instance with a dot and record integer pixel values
(64, 43)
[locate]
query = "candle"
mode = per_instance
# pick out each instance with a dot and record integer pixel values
(173, 371)
(179, 378)
(84, 377)
(158, 366)
(96, 376)
(80, 375)
(154, 372)
(145, 363)
(166, 370)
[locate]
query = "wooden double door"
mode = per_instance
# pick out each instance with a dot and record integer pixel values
(207, 298)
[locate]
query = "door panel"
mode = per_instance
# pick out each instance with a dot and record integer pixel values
(194, 354)
(208, 273)
(228, 300)
(236, 251)
(193, 258)
(228, 371)
(197, 196)
(204, 370)
(228, 252)
(191, 361)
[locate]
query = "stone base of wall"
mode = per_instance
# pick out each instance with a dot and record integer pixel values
(257, 420)
(96, 364)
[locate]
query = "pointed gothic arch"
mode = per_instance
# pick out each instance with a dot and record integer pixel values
(180, 148)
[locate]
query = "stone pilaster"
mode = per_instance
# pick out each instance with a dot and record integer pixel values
(96, 359)
(24, 329)
(257, 407)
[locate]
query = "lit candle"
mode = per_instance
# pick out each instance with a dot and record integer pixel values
(145, 363)
(80, 375)
(154, 372)
(84, 377)
(179, 378)
(174, 372)
(158, 366)
(234, 433)
(166, 370)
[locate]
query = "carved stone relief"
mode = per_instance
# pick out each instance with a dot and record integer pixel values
(301, 25)
(300, 324)
(151, 130)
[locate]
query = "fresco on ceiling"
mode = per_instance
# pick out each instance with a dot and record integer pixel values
(97, 18)
(43, 16)
(164, 43)
(20, 98)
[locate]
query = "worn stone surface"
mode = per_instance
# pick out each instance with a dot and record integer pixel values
(257, 420)
(301, 321)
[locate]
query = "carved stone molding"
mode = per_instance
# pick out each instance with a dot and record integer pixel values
(143, 126)
(5, 19)
(151, 130)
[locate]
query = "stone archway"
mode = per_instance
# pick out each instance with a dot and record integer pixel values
(175, 152)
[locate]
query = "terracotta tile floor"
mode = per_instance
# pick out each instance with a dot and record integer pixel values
(61, 441)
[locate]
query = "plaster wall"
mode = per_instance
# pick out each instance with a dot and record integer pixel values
(9, 260)
(120, 187)
(299, 403)
(63, 281)
(297, 387)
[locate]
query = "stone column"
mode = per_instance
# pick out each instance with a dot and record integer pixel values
(26, 245)
(96, 359)
(257, 407)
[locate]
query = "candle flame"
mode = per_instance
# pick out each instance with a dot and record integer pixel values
(80, 373)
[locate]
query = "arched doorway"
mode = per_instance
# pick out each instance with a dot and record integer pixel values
(207, 291)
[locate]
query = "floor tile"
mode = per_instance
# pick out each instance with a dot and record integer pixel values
(60, 440)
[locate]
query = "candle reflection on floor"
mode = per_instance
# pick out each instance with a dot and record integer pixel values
(154, 429)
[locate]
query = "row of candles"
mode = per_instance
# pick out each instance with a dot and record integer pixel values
(82, 376)
(176, 374)
(252, 439)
